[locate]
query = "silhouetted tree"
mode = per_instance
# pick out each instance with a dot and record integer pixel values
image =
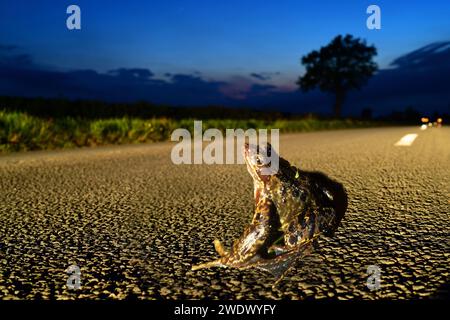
(344, 64)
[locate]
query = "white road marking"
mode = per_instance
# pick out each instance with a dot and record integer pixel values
(406, 140)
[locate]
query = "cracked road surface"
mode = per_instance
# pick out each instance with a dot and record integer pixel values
(135, 223)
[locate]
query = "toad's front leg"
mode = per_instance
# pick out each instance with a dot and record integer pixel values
(254, 242)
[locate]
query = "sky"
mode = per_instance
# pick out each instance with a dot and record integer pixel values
(237, 41)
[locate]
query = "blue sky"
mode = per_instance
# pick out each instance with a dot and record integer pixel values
(219, 39)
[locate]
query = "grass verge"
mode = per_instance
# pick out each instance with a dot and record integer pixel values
(21, 132)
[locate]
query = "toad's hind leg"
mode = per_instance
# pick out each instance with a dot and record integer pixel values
(210, 264)
(280, 265)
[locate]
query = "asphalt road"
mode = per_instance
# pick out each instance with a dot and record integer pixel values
(135, 223)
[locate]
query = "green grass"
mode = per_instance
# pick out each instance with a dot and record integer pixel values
(20, 131)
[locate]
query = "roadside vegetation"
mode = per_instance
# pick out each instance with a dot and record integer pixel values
(20, 131)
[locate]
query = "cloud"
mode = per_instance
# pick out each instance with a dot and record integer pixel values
(259, 76)
(236, 87)
(132, 73)
(431, 55)
(20, 76)
(419, 78)
(264, 76)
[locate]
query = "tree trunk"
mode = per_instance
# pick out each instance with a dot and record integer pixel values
(338, 102)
